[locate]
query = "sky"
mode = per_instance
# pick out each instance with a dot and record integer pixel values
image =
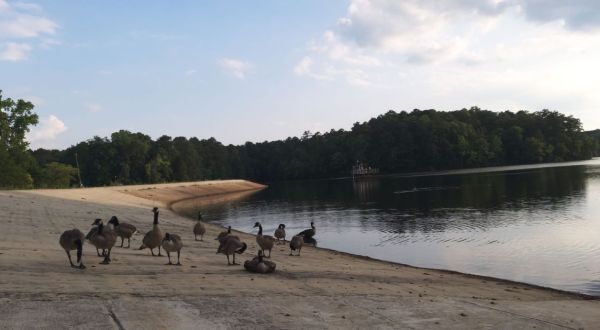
(265, 70)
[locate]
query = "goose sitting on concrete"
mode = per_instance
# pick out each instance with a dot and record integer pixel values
(259, 265)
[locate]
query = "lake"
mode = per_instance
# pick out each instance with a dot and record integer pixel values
(538, 224)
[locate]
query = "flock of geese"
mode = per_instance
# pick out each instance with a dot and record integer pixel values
(104, 237)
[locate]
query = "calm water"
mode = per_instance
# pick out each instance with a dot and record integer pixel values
(536, 224)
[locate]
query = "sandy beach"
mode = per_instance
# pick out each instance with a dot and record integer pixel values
(320, 289)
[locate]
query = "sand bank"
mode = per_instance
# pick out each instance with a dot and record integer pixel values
(320, 289)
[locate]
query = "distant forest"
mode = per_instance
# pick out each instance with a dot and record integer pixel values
(420, 140)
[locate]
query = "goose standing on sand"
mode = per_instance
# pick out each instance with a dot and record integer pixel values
(199, 228)
(123, 230)
(73, 240)
(265, 242)
(92, 231)
(280, 233)
(172, 243)
(230, 245)
(154, 237)
(296, 244)
(259, 265)
(105, 238)
(309, 233)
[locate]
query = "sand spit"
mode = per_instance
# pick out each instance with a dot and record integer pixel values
(320, 289)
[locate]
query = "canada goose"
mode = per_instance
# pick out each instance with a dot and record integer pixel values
(309, 233)
(280, 232)
(231, 245)
(104, 238)
(265, 242)
(92, 231)
(73, 240)
(259, 265)
(199, 228)
(224, 233)
(296, 243)
(123, 230)
(172, 243)
(154, 237)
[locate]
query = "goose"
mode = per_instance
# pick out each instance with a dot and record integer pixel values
(265, 242)
(309, 233)
(73, 240)
(154, 237)
(231, 245)
(224, 233)
(296, 244)
(259, 265)
(123, 230)
(172, 243)
(105, 238)
(199, 228)
(92, 231)
(280, 232)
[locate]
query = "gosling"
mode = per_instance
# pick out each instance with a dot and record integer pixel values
(172, 243)
(199, 228)
(296, 244)
(280, 233)
(123, 230)
(73, 240)
(105, 238)
(265, 242)
(92, 231)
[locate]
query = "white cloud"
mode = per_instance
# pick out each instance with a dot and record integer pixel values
(93, 107)
(236, 67)
(21, 21)
(47, 131)
(12, 51)
(500, 54)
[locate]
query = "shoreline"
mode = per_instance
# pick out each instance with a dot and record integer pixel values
(320, 289)
(393, 263)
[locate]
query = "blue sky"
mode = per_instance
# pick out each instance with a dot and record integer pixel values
(263, 70)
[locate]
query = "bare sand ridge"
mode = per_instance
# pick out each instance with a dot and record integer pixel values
(320, 289)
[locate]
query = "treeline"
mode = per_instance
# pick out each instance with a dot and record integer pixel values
(595, 136)
(393, 142)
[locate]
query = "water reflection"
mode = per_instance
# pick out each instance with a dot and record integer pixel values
(535, 224)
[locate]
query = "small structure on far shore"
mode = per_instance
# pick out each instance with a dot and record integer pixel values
(360, 169)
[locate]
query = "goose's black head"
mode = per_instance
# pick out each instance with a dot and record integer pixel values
(167, 237)
(199, 215)
(256, 225)
(114, 220)
(312, 224)
(229, 229)
(97, 222)
(155, 209)
(282, 226)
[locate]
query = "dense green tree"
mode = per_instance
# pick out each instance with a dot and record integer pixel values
(419, 140)
(16, 163)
